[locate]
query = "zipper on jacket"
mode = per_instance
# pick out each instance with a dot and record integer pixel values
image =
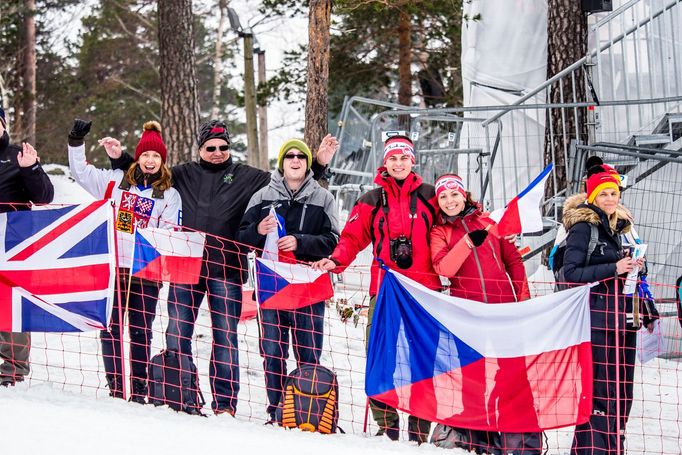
(300, 225)
(478, 265)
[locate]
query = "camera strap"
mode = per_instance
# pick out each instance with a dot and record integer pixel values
(413, 211)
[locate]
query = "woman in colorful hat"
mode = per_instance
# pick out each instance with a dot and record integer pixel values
(608, 265)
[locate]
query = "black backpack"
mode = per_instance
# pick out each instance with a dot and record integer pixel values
(173, 380)
(310, 400)
(556, 256)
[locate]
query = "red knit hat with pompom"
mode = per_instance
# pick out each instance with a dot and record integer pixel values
(151, 141)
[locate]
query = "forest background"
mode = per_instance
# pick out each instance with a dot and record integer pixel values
(102, 60)
(123, 62)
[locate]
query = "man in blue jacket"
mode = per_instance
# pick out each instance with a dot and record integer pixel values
(22, 181)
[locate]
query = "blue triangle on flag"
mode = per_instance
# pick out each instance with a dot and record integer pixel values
(22, 225)
(35, 319)
(94, 243)
(144, 253)
(407, 344)
(269, 282)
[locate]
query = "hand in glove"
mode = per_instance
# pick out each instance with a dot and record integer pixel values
(478, 236)
(80, 129)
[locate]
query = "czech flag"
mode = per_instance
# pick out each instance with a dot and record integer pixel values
(284, 286)
(514, 367)
(167, 255)
(270, 249)
(522, 215)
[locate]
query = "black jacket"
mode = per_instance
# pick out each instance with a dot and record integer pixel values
(214, 199)
(309, 215)
(21, 185)
(577, 218)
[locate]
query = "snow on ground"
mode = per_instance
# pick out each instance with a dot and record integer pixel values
(64, 406)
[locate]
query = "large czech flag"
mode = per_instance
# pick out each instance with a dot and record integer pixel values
(284, 286)
(167, 255)
(514, 367)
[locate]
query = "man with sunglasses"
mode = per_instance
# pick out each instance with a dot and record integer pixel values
(215, 192)
(308, 216)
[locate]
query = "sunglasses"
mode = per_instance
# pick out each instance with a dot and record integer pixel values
(213, 148)
(291, 156)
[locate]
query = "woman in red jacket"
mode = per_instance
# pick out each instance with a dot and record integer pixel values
(399, 237)
(485, 268)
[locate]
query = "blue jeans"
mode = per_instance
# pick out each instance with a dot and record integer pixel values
(225, 305)
(307, 325)
(141, 313)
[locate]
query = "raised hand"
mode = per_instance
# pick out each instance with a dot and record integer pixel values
(112, 146)
(80, 129)
(28, 155)
(326, 151)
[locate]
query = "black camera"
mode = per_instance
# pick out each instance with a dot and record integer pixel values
(401, 252)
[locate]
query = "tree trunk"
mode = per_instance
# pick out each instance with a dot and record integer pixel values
(405, 59)
(179, 103)
(567, 43)
(250, 101)
(28, 96)
(218, 61)
(317, 99)
(262, 115)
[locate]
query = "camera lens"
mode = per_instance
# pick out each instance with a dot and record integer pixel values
(404, 261)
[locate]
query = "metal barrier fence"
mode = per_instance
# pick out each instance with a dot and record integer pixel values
(627, 90)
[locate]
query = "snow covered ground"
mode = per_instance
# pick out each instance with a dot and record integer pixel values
(64, 406)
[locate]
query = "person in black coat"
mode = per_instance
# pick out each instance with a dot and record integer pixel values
(22, 182)
(612, 322)
(215, 192)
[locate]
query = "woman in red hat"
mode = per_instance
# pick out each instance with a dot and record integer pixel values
(144, 198)
(608, 265)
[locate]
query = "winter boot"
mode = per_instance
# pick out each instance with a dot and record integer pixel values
(139, 391)
(115, 385)
(392, 431)
(418, 430)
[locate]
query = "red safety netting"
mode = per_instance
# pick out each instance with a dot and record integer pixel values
(217, 322)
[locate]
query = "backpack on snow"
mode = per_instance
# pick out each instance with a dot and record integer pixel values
(556, 255)
(310, 400)
(173, 380)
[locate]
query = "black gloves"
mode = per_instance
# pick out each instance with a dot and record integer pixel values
(477, 237)
(80, 129)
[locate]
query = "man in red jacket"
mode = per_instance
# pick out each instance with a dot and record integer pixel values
(396, 218)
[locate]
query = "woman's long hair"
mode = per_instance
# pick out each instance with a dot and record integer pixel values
(163, 183)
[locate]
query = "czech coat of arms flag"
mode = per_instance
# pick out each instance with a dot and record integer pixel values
(168, 255)
(522, 214)
(57, 269)
(514, 367)
(284, 286)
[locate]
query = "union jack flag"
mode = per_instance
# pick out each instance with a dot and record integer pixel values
(57, 269)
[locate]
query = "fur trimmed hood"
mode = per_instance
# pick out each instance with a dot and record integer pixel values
(576, 210)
